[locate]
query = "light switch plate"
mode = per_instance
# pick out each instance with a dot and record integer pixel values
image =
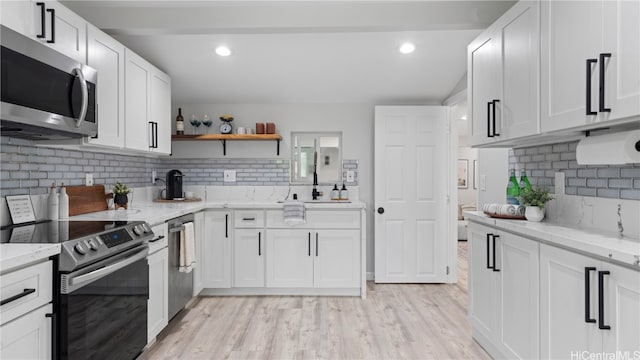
(229, 176)
(88, 179)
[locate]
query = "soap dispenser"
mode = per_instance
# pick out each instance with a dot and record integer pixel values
(63, 208)
(344, 193)
(53, 203)
(335, 193)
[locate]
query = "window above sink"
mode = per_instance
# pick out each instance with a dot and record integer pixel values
(322, 149)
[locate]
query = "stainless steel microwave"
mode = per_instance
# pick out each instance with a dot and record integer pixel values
(45, 94)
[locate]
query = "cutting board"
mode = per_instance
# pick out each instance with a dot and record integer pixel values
(86, 199)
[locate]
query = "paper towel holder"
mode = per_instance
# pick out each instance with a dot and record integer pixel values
(617, 148)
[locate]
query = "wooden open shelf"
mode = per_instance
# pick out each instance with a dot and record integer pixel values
(229, 137)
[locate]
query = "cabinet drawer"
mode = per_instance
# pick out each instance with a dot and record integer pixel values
(159, 240)
(319, 219)
(35, 283)
(248, 219)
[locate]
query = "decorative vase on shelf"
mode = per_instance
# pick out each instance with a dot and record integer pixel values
(121, 201)
(534, 213)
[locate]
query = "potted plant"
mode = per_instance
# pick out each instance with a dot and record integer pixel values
(534, 200)
(120, 192)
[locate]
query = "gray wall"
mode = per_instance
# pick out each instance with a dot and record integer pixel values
(607, 181)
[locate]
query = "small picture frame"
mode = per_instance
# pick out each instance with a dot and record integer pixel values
(463, 174)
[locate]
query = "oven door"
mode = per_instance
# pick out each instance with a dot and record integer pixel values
(103, 308)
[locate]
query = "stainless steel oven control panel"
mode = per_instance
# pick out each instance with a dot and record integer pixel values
(88, 249)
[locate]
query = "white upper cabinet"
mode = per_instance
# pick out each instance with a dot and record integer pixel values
(106, 55)
(503, 80)
(591, 62)
(137, 93)
(50, 23)
(147, 106)
(160, 111)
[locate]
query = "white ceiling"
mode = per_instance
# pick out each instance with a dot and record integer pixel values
(300, 51)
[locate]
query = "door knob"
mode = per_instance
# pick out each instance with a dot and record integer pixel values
(380, 210)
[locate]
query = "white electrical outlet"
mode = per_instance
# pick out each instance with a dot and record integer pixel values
(351, 176)
(229, 176)
(154, 175)
(88, 179)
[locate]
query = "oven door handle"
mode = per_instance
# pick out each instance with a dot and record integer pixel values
(77, 281)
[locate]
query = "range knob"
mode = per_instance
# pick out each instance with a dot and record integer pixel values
(80, 249)
(146, 227)
(92, 245)
(137, 230)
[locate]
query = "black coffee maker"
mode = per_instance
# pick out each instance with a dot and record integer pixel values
(174, 184)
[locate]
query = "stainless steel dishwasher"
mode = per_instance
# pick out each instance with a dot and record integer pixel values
(180, 284)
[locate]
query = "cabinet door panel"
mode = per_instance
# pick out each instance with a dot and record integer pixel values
(137, 80)
(158, 304)
(20, 16)
(482, 283)
(337, 258)
(562, 304)
(70, 32)
(622, 40)
(106, 55)
(160, 111)
(216, 264)
(571, 33)
(622, 304)
(290, 258)
(484, 66)
(248, 258)
(520, 65)
(27, 337)
(519, 283)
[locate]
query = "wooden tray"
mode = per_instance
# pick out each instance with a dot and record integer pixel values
(86, 199)
(510, 217)
(177, 201)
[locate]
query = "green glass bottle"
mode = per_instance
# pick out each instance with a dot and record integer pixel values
(524, 181)
(513, 189)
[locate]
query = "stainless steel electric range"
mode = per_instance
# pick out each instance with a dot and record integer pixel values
(101, 285)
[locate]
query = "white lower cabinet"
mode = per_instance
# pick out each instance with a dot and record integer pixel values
(504, 283)
(27, 337)
(216, 249)
(248, 258)
(158, 304)
(587, 305)
(25, 316)
(336, 263)
(289, 258)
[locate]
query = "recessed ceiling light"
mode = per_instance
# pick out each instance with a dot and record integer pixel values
(223, 51)
(407, 48)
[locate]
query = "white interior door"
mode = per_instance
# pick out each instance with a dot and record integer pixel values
(412, 167)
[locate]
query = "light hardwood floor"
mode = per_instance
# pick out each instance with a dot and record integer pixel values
(403, 321)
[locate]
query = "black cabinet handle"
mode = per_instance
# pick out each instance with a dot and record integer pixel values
(494, 252)
(489, 133)
(488, 247)
(493, 106)
(259, 243)
(24, 293)
(157, 239)
(226, 225)
(588, 79)
(309, 245)
(155, 133)
(249, 219)
(602, 108)
(587, 294)
(316, 244)
(601, 324)
(53, 26)
(43, 32)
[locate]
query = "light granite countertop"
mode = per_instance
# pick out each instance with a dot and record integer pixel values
(14, 256)
(604, 244)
